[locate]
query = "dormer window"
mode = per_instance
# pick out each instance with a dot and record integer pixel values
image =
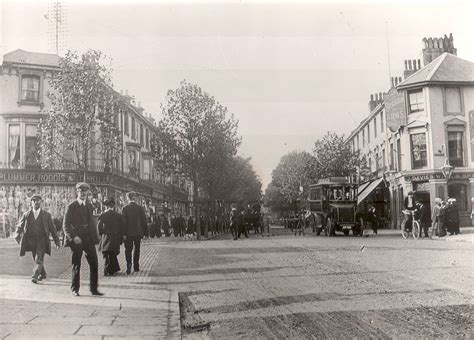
(30, 89)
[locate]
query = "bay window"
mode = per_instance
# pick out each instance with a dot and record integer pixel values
(14, 145)
(455, 148)
(418, 146)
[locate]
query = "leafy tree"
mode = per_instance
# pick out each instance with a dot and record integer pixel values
(195, 136)
(334, 157)
(242, 184)
(274, 200)
(295, 169)
(81, 115)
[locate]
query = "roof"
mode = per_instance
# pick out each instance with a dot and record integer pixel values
(447, 68)
(31, 58)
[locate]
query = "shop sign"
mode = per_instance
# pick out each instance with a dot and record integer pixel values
(426, 177)
(395, 109)
(37, 177)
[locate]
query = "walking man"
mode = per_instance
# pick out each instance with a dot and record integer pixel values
(111, 232)
(82, 237)
(134, 221)
(34, 229)
(423, 215)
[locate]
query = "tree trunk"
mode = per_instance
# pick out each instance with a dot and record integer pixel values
(197, 222)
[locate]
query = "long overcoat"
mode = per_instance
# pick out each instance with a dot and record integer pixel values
(111, 231)
(72, 220)
(24, 226)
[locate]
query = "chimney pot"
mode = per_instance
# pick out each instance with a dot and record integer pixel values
(371, 97)
(414, 64)
(419, 64)
(380, 96)
(409, 64)
(406, 64)
(399, 80)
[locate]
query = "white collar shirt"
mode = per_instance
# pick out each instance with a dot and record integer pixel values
(36, 212)
(81, 202)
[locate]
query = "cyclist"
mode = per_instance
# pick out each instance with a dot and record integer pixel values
(409, 205)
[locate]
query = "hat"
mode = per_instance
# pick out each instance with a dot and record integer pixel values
(411, 193)
(36, 197)
(109, 202)
(438, 200)
(83, 186)
(131, 194)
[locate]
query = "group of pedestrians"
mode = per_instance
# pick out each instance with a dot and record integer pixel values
(237, 224)
(81, 235)
(445, 217)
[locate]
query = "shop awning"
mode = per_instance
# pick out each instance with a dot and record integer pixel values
(362, 187)
(368, 190)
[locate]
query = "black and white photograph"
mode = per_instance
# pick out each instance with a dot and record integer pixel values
(253, 169)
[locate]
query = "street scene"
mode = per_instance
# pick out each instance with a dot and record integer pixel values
(236, 169)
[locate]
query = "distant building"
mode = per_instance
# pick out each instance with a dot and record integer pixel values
(23, 88)
(429, 120)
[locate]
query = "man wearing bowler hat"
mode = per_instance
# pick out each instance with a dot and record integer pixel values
(134, 220)
(33, 235)
(81, 236)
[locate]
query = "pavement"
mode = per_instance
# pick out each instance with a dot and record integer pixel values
(266, 287)
(131, 307)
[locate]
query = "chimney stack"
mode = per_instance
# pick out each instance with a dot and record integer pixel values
(411, 67)
(434, 47)
(375, 99)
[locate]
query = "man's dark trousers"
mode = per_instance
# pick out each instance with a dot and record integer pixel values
(91, 256)
(133, 242)
(38, 246)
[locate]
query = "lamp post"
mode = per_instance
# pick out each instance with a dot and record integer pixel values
(447, 169)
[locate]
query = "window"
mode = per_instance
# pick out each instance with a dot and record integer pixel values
(141, 134)
(368, 133)
(31, 148)
(455, 148)
(134, 132)
(399, 155)
(147, 139)
(415, 101)
(383, 160)
(375, 127)
(14, 145)
(358, 145)
(418, 147)
(30, 89)
(459, 192)
(453, 100)
(125, 123)
(381, 121)
(392, 158)
(363, 137)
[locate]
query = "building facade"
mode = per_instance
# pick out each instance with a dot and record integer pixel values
(427, 144)
(23, 100)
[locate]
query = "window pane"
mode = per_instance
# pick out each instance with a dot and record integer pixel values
(418, 146)
(31, 148)
(455, 148)
(415, 100)
(453, 99)
(30, 89)
(14, 145)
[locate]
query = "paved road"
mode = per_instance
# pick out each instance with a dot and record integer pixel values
(283, 286)
(286, 286)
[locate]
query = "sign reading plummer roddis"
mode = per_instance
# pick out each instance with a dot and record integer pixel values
(19, 177)
(395, 109)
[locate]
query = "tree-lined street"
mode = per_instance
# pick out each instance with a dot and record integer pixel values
(281, 286)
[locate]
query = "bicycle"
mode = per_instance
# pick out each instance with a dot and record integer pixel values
(415, 225)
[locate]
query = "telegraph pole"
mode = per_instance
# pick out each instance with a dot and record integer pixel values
(57, 26)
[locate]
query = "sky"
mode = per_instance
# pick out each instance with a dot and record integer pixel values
(288, 71)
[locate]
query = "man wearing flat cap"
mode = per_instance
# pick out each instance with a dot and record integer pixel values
(33, 234)
(134, 221)
(81, 236)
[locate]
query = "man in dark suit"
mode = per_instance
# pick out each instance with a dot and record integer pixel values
(423, 215)
(34, 229)
(134, 220)
(81, 236)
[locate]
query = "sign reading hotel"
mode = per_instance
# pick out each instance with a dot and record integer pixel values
(395, 109)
